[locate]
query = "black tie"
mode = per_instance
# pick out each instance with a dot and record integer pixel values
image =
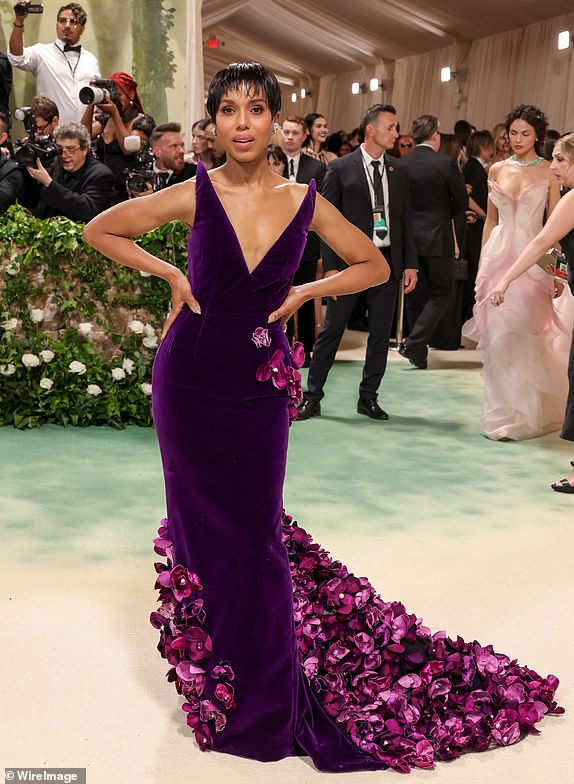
(70, 48)
(163, 177)
(291, 169)
(378, 185)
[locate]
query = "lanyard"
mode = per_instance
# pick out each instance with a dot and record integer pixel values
(72, 70)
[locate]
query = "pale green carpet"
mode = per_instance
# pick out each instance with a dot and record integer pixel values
(465, 531)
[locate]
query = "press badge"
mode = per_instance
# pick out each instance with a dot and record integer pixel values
(379, 224)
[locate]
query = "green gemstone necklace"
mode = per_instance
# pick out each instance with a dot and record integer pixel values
(513, 159)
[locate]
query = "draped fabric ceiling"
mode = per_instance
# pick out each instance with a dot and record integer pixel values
(324, 45)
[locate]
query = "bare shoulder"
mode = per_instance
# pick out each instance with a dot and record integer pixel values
(495, 169)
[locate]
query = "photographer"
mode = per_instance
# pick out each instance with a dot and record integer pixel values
(61, 68)
(76, 185)
(46, 115)
(115, 121)
(11, 178)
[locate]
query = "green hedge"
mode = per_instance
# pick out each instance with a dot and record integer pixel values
(78, 333)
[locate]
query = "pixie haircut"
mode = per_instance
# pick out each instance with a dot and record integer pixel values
(534, 117)
(253, 77)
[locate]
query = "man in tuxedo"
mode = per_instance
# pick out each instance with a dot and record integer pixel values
(75, 185)
(302, 168)
(437, 195)
(167, 145)
(61, 68)
(374, 198)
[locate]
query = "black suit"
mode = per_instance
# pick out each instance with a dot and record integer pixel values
(474, 174)
(309, 169)
(188, 171)
(79, 195)
(347, 188)
(11, 183)
(437, 195)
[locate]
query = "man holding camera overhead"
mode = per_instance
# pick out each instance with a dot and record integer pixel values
(61, 68)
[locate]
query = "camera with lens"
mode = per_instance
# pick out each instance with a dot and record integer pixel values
(34, 146)
(142, 174)
(101, 91)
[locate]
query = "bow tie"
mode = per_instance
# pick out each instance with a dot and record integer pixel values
(70, 48)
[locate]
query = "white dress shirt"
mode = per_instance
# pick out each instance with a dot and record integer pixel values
(369, 173)
(59, 75)
(295, 159)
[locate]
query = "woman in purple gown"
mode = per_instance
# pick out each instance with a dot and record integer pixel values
(277, 649)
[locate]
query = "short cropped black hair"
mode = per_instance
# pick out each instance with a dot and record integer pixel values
(534, 117)
(159, 130)
(254, 77)
(371, 116)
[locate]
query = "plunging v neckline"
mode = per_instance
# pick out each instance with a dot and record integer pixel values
(252, 270)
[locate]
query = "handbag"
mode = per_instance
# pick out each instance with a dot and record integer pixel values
(461, 269)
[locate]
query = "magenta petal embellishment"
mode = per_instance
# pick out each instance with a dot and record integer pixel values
(297, 355)
(275, 369)
(261, 337)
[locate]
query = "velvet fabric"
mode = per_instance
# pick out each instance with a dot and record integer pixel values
(276, 648)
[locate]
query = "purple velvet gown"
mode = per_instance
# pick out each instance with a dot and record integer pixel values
(277, 649)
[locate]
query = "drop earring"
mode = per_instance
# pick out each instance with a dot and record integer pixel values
(276, 127)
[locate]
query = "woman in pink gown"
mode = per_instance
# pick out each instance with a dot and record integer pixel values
(524, 352)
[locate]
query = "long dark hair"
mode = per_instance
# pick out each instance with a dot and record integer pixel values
(254, 77)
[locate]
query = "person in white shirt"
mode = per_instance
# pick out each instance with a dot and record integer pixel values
(61, 68)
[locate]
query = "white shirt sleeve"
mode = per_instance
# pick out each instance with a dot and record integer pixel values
(27, 61)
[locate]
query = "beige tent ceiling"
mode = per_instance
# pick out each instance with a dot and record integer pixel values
(306, 40)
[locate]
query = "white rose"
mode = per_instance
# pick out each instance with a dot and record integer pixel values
(7, 370)
(149, 330)
(46, 383)
(94, 389)
(128, 365)
(77, 367)
(150, 342)
(10, 324)
(30, 360)
(145, 274)
(47, 355)
(13, 269)
(85, 327)
(145, 388)
(118, 373)
(37, 315)
(136, 326)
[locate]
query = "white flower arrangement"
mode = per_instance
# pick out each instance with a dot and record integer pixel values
(47, 355)
(30, 360)
(85, 327)
(37, 315)
(118, 373)
(77, 367)
(94, 390)
(46, 383)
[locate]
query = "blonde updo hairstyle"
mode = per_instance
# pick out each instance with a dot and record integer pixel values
(566, 145)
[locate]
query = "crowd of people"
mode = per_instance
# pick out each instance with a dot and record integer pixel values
(436, 205)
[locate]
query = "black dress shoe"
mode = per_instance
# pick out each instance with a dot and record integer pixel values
(308, 409)
(418, 360)
(371, 409)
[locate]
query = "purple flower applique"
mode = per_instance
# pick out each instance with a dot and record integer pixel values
(297, 355)
(275, 369)
(187, 646)
(261, 337)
